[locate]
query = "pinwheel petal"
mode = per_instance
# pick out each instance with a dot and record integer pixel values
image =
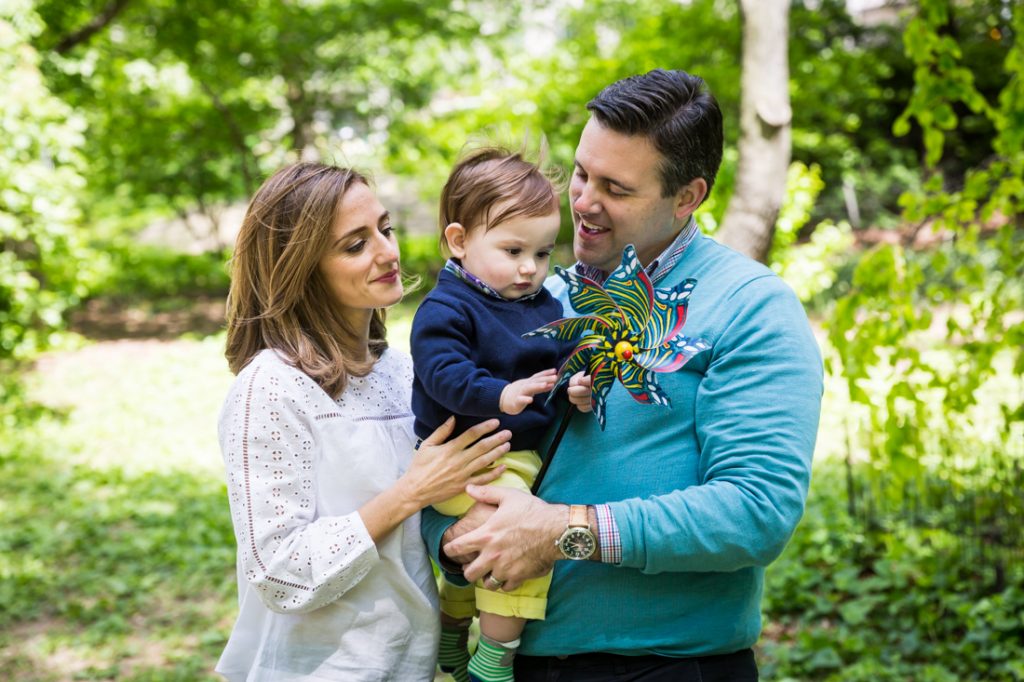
(642, 385)
(570, 328)
(577, 361)
(588, 298)
(631, 288)
(670, 356)
(603, 375)
(668, 314)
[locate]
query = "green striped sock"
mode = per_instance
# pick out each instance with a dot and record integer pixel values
(453, 653)
(492, 661)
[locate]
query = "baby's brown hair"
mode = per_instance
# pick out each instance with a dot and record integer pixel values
(489, 176)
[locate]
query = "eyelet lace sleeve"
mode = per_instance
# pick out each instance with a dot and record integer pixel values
(296, 561)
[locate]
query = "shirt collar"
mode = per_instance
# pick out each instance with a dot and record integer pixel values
(455, 267)
(660, 266)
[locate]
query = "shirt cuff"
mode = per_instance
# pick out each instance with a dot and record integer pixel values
(608, 535)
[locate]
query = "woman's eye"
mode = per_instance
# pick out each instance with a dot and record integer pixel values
(387, 230)
(357, 247)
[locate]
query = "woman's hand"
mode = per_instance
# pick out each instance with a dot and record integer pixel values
(440, 469)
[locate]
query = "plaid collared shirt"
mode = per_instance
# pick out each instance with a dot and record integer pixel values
(660, 266)
(455, 267)
(608, 536)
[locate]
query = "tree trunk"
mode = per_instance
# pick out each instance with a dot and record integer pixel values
(765, 137)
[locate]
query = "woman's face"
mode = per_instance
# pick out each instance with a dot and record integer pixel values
(360, 265)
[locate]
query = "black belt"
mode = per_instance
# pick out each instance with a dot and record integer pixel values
(601, 660)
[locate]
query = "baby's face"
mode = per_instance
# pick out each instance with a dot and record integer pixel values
(512, 257)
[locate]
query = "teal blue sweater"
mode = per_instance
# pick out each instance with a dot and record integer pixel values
(705, 494)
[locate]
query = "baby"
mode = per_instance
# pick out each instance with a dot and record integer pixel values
(499, 220)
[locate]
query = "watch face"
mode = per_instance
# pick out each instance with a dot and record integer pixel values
(577, 543)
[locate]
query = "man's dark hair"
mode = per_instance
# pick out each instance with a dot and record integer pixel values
(677, 112)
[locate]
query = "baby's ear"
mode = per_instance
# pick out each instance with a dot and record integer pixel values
(455, 235)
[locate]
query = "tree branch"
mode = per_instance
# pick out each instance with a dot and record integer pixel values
(98, 23)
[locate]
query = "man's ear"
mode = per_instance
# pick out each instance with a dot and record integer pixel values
(689, 197)
(455, 235)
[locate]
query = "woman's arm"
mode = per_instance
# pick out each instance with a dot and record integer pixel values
(295, 560)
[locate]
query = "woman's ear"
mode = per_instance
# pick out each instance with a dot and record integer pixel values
(455, 235)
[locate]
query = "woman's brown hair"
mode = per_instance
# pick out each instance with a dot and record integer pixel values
(278, 298)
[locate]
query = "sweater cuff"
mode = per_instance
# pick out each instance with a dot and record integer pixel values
(488, 396)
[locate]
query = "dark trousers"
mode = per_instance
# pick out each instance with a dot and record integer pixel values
(736, 667)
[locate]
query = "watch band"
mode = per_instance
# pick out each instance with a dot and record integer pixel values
(578, 516)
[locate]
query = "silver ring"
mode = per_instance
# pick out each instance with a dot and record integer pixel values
(493, 582)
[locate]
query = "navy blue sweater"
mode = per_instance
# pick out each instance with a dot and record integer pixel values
(467, 346)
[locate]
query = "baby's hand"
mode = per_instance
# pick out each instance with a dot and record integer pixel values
(517, 395)
(579, 391)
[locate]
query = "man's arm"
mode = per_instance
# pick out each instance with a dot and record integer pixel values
(756, 416)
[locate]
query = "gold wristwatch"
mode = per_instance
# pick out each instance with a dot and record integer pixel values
(578, 541)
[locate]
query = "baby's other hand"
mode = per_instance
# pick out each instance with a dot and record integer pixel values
(516, 396)
(579, 391)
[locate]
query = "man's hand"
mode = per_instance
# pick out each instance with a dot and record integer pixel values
(470, 521)
(519, 394)
(579, 391)
(517, 542)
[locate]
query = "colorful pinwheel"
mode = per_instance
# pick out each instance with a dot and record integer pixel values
(628, 329)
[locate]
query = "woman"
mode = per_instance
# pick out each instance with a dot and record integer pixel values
(324, 479)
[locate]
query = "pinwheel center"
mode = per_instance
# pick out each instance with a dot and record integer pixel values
(624, 350)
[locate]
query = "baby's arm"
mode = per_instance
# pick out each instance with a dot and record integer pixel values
(441, 346)
(518, 395)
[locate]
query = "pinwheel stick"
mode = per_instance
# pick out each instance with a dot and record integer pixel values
(562, 426)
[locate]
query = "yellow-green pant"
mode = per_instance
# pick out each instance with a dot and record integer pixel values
(530, 599)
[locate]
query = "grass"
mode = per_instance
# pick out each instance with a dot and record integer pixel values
(116, 549)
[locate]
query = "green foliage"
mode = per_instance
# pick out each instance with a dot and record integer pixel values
(151, 273)
(811, 267)
(191, 104)
(907, 604)
(40, 174)
(920, 333)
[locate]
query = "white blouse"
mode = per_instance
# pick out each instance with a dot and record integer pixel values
(317, 599)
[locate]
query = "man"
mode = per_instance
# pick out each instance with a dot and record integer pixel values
(684, 507)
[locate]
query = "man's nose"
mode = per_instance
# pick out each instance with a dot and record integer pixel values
(584, 202)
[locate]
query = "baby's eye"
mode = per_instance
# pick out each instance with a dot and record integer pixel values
(544, 254)
(514, 252)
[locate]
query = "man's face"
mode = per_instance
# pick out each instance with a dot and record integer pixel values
(615, 194)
